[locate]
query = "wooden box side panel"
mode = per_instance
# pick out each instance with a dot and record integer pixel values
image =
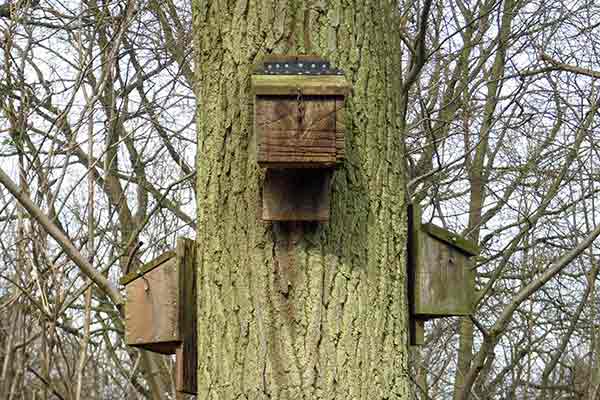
(296, 129)
(416, 325)
(186, 358)
(340, 128)
(308, 85)
(444, 281)
(151, 311)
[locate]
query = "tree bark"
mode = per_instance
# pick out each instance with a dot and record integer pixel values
(300, 310)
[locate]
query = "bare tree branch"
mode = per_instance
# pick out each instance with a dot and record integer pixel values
(86, 268)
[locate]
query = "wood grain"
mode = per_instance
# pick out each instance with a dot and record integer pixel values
(146, 267)
(186, 356)
(416, 325)
(161, 313)
(340, 129)
(440, 280)
(300, 131)
(322, 85)
(151, 311)
(444, 281)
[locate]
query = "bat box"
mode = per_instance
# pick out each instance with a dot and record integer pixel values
(440, 272)
(298, 125)
(160, 310)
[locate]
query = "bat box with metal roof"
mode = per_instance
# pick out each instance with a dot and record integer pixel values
(298, 124)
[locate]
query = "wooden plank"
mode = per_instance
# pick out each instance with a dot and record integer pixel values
(287, 163)
(340, 128)
(416, 325)
(301, 153)
(291, 130)
(444, 281)
(147, 267)
(413, 259)
(296, 195)
(186, 356)
(305, 113)
(289, 157)
(293, 138)
(151, 315)
(303, 84)
(296, 142)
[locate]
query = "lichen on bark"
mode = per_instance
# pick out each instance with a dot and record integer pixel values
(300, 310)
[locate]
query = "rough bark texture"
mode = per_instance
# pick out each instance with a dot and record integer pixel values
(300, 310)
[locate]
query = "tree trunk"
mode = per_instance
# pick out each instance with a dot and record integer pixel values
(300, 310)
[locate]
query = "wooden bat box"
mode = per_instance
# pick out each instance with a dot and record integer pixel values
(298, 125)
(441, 279)
(160, 311)
(299, 113)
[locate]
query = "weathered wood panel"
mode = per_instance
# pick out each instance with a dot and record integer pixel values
(186, 358)
(444, 281)
(133, 275)
(276, 85)
(151, 311)
(340, 129)
(296, 195)
(460, 243)
(296, 130)
(416, 325)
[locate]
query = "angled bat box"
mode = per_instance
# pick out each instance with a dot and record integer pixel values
(160, 311)
(441, 279)
(298, 125)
